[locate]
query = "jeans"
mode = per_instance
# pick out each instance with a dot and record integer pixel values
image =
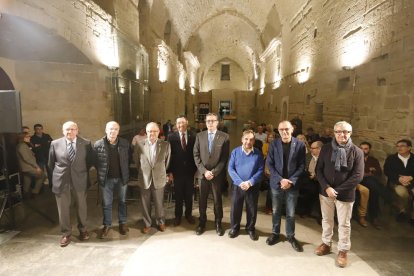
(111, 185)
(290, 197)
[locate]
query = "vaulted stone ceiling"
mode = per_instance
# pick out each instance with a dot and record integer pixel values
(217, 29)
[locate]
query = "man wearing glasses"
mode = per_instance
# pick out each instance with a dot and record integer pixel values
(286, 163)
(339, 169)
(211, 153)
(399, 168)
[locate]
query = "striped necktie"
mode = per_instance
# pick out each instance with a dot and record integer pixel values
(71, 152)
(210, 141)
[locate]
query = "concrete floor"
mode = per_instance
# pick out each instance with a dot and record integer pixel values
(32, 246)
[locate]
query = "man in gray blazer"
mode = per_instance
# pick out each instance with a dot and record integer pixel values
(211, 153)
(152, 156)
(70, 158)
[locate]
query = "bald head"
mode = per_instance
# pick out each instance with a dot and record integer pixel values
(70, 130)
(112, 130)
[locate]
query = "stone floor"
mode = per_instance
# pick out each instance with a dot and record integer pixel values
(32, 247)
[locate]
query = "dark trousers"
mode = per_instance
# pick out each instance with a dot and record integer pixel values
(251, 196)
(308, 197)
(215, 187)
(183, 190)
(376, 189)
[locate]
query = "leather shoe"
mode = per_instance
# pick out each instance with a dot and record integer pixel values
(219, 230)
(363, 222)
(272, 239)
(84, 235)
(253, 236)
(64, 241)
(200, 230)
(190, 219)
(161, 227)
(296, 245)
(104, 232)
(341, 259)
(323, 249)
(123, 229)
(146, 230)
(177, 221)
(233, 233)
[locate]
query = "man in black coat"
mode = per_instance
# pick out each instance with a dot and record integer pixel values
(112, 165)
(182, 169)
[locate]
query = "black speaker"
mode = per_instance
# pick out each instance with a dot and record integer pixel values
(10, 112)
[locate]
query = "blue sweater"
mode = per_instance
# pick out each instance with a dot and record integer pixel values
(244, 167)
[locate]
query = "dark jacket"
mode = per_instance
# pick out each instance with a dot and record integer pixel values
(394, 168)
(182, 162)
(344, 181)
(296, 162)
(101, 161)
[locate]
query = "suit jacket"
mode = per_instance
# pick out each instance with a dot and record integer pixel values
(26, 158)
(296, 161)
(217, 160)
(149, 173)
(66, 172)
(182, 162)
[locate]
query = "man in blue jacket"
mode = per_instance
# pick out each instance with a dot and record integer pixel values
(286, 162)
(246, 171)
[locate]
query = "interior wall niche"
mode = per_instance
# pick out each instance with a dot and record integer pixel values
(319, 112)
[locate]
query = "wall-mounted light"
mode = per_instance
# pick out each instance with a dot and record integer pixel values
(303, 75)
(348, 68)
(163, 60)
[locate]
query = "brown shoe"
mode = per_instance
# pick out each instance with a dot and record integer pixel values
(341, 260)
(363, 222)
(64, 241)
(146, 230)
(177, 221)
(376, 224)
(104, 232)
(84, 235)
(123, 229)
(161, 227)
(322, 249)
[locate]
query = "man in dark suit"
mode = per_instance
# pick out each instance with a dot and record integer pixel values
(211, 153)
(70, 158)
(286, 163)
(182, 169)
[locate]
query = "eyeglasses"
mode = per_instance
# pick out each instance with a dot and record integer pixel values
(210, 121)
(345, 132)
(284, 129)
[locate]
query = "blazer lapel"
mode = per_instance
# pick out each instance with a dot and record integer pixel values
(147, 151)
(280, 152)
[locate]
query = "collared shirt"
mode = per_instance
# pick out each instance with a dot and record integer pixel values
(247, 152)
(185, 135)
(73, 141)
(153, 149)
(312, 165)
(404, 159)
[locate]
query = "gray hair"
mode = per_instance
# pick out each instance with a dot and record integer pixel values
(345, 124)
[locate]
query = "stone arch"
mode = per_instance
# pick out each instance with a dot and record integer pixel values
(5, 81)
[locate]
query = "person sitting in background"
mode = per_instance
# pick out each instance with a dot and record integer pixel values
(28, 167)
(399, 168)
(302, 138)
(371, 181)
(266, 186)
(260, 135)
(326, 136)
(142, 135)
(311, 136)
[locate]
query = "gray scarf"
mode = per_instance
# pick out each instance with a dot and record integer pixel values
(339, 154)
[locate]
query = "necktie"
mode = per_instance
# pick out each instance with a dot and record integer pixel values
(210, 141)
(71, 151)
(183, 143)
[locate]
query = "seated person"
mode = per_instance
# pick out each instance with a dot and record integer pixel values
(28, 167)
(399, 168)
(309, 187)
